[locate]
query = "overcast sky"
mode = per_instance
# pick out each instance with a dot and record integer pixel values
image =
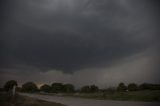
(102, 42)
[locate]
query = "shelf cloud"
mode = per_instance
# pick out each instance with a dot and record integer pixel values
(72, 38)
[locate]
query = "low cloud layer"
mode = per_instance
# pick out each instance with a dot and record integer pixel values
(139, 68)
(72, 38)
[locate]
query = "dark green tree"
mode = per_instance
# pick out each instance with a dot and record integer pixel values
(132, 87)
(57, 88)
(85, 89)
(122, 87)
(45, 88)
(29, 87)
(69, 88)
(94, 89)
(9, 85)
(146, 86)
(154, 87)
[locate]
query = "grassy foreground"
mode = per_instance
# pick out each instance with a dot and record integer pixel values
(146, 95)
(6, 100)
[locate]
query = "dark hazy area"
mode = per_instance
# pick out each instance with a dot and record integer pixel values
(101, 42)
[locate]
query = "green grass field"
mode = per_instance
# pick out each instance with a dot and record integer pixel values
(130, 96)
(135, 96)
(6, 100)
(146, 95)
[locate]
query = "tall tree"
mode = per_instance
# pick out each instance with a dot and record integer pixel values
(132, 87)
(122, 87)
(94, 88)
(45, 88)
(29, 87)
(57, 87)
(9, 85)
(85, 89)
(69, 88)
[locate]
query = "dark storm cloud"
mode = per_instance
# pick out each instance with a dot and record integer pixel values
(70, 35)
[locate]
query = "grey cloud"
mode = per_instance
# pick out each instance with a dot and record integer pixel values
(72, 35)
(139, 65)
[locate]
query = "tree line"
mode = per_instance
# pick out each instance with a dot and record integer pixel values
(69, 88)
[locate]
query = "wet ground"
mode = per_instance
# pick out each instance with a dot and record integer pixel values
(71, 101)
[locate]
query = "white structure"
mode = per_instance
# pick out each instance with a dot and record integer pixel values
(14, 90)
